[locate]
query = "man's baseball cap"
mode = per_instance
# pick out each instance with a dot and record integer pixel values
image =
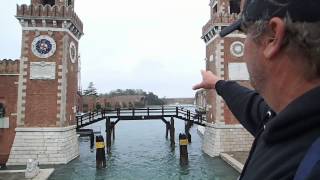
(298, 11)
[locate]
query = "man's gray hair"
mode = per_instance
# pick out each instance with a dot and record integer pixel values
(301, 38)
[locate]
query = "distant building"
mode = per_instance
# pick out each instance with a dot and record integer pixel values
(126, 101)
(201, 99)
(90, 103)
(175, 101)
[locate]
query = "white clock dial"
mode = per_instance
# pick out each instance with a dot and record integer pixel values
(43, 46)
(73, 52)
(237, 49)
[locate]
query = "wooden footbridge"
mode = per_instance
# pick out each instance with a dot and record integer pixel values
(113, 116)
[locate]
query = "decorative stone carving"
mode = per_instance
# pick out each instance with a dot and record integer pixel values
(32, 169)
(4, 123)
(43, 70)
(238, 71)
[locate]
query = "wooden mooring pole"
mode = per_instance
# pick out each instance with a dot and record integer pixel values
(187, 128)
(91, 140)
(108, 135)
(183, 142)
(100, 152)
(172, 132)
(113, 127)
(167, 129)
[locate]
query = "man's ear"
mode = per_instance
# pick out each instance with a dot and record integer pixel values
(274, 39)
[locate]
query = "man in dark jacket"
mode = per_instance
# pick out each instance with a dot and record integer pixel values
(282, 52)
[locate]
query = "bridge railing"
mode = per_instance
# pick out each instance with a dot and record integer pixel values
(140, 111)
(191, 115)
(150, 112)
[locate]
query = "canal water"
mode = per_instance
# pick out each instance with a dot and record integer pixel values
(141, 152)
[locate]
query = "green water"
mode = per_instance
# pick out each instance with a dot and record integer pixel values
(141, 152)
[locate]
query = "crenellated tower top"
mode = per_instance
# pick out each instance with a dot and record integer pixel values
(53, 2)
(222, 14)
(50, 14)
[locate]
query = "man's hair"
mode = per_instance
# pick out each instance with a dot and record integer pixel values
(301, 38)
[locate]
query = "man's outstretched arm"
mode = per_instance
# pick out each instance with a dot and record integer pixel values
(247, 105)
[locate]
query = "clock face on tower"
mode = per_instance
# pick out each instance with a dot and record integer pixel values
(43, 46)
(237, 48)
(73, 52)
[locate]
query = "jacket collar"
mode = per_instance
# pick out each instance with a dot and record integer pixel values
(301, 115)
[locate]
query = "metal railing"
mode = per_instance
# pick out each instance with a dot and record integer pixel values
(141, 114)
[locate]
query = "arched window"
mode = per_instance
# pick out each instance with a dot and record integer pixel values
(50, 2)
(2, 111)
(235, 6)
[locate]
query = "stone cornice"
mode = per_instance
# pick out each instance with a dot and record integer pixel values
(50, 16)
(46, 129)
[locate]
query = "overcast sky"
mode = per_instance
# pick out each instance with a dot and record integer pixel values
(141, 44)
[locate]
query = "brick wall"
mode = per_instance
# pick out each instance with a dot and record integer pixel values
(41, 95)
(72, 85)
(8, 97)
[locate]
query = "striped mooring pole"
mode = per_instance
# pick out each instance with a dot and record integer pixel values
(183, 142)
(100, 152)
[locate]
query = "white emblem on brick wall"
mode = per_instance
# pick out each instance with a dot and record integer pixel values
(43, 70)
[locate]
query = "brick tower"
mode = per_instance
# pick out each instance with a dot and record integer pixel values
(224, 57)
(48, 83)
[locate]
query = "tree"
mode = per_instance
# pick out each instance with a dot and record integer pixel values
(91, 90)
(152, 99)
(124, 105)
(98, 106)
(130, 105)
(117, 105)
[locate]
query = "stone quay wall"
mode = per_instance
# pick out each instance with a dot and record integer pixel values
(48, 145)
(220, 138)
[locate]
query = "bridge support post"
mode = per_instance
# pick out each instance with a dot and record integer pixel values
(100, 152)
(167, 129)
(113, 126)
(187, 130)
(108, 135)
(183, 142)
(172, 132)
(91, 140)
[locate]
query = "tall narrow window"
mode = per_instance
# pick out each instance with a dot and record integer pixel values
(50, 2)
(215, 9)
(2, 111)
(69, 2)
(234, 6)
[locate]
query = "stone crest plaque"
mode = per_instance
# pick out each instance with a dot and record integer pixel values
(43, 70)
(238, 71)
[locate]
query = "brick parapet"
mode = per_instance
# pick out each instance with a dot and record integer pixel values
(8, 66)
(50, 16)
(219, 19)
